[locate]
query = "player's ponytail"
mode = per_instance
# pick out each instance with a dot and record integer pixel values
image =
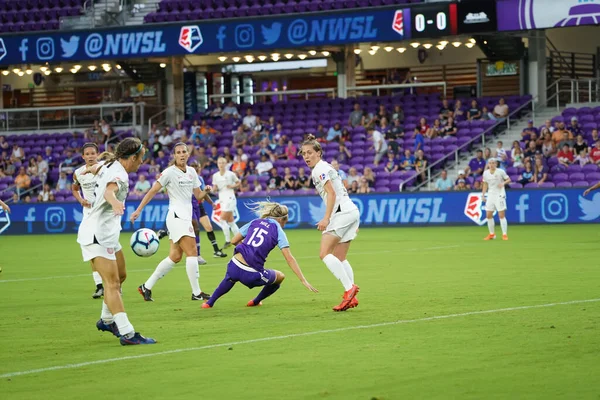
(126, 148)
(269, 209)
(311, 141)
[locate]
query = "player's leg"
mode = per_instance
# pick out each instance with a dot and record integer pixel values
(196, 225)
(98, 282)
(348, 227)
(503, 224)
(231, 221)
(188, 247)
(162, 269)
(224, 222)
(490, 207)
(328, 242)
(268, 275)
(205, 222)
(231, 277)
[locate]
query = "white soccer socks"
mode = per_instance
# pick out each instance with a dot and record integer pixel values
(504, 225)
(161, 270)
(106, 316)
(491, 225)
(125, 327)
(337, 269)
(225, 226)
(349, 270)
(191, 267)
(234, 227)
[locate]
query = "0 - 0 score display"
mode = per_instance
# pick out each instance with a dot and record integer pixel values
(434, 20)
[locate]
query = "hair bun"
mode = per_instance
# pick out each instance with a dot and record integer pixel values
(310, 136)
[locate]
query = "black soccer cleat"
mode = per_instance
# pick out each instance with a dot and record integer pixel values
(162, 233)
(219, 254)
(99, 292)
(201, 296)
(146, 293)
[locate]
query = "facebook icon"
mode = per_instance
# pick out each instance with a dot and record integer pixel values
(23, 49)
(221, 36)
(522, 206)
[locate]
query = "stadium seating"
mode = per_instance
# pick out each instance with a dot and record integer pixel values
(181, 10)
(36, 15)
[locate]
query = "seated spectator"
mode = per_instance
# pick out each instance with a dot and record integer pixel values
(18, 154)
(565, 141)
(501, 152)
(458, 110)
(279, 150)
(231, 111)
(271, 125)
(474, 111)
(320, 134)
(353, 175)
(594, 138)
(334, 133)
(434, 131)
(444, 110)
(443, 183)
(265, 150)
(363, 186)
(75, 143)
(142, 186)
(257, 186)
(450, 128)
(391, 165)
(534, 138)
(398, 115)
(63, 182)
(595, 153)
(461, 185)
(527, 176)
(239, 165)
(392, 135)
(420, 165)
(27, 199)
(354, 187)
(154, 167)
(540, 171)
(194, 129)
(275, 182)
(477, 186)
(517, 157)
(580, 145)
(264, 166)
(422, 126)
(201, 157)
(461, 175)
(384, 126)
(487, 154)
(240, 138)
(178, 133)
(476, 165)
(15, 198)
(259, 127)
(22, 181)
(244, 186)
(356, 118)
(500, 112)
(345, 136)
(217, 112)
(407, 161)
(381, 114)
(250, 120)
(70, 162)
(344, 154)
(559, 134)
(548, 146)
(162, 160)
(582, 158)
(369, 175)
(207, 135)
(548, 125)
(107, 132)
(485, 114)
(574, 128)
(250, 169)
(303, 179)
(289, 180)
(565, 156)
(3, 143)
(528, 130)
(32, 168)
(379, 144)
(165, 139)
(291, 151)
(2, 173)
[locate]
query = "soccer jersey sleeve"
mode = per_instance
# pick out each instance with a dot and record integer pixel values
(165, 177)
(282, 240)
(244, 229)
(197, 183)
(233, 178)
(320, 173)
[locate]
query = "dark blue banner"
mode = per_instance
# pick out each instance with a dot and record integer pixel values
(308, 30)
(426, 208)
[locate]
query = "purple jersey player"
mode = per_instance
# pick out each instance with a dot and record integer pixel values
(254, 242)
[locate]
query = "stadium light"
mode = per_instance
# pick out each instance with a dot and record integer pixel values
(472, 40)
(302, 56)
(444, 43)
(16, 70)
(77, 67)
(312, 52)
(106, 67)
(28, 71)
(262, 57)
(388, 48)
(372, 52)
(20, 73)
(325, 53)
(73, 70)
(5, 72)
(357, 51)
(118, 66)
(415, 44)
(427, 46)
(469, 45)
(275, 56)
(249, 58)
(163, 65)
(456, 44)
(236, 59)
(92, 67)
(58, 70)
(289, 56)
(222, 58)
(47, 72)
(440, 47)
(401, 49)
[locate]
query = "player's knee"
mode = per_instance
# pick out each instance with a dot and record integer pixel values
(175, 257)
(113, 283)
(280, 276)
(122, 276)
(323, 254)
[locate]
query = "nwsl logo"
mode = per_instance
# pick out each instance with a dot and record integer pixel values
(190, 38)
(398, 24)
(475, 209)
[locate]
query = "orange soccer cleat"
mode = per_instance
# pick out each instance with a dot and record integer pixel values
(252, 304)
(206, 305)
(354, 302)
(349, 295)
(504, 237)
(490, 237)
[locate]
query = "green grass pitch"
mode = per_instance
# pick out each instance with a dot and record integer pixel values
(295, 346)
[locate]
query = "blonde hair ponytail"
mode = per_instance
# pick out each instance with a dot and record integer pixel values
(269, 209)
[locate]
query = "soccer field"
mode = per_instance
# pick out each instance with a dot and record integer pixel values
(442, 314)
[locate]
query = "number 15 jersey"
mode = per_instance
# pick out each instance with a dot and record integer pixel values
(260, 237)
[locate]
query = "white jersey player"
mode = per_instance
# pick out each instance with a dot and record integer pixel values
(181, 182)
(85, 183)
(340, 223)
(494, 183)
(225, 182)
(99, 234)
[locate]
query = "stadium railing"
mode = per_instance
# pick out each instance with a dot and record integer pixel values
(163, 116)
(281, 94)
(577, 90)
(357, 90)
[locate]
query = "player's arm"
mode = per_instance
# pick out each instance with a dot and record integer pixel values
(110, 195)
(75, 189)
(157, 187)
(4, 206)
(238, 237)
(236, 184)
(592, 188)
(484, 188)
(328, 187)
(506, 180)
(201, 194)
(293, 264)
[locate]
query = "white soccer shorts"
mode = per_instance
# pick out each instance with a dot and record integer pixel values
(94, 250)
(344, 225)
(179, 228)
(495, 203)
(228, 204)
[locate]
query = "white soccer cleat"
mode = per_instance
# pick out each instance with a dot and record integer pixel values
(201, 261)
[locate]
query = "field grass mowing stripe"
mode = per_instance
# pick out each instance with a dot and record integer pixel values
(183, 266)
(290, 336)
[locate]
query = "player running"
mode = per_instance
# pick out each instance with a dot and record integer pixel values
(254, 243)
(340, 223)
(225, 182)
(99, 233)
(84, 182)
(181, 182)
(494, 182)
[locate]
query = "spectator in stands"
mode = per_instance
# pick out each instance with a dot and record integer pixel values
(257, 186)
(255, 138)
(548, 146)
(3, 143)
(207, 135)
(575, 129)
(194, 129)
(391, 165)
(239, 165)
(265, 150)
(303, 179)
(18, 154)
(595, 153)
(320, 134)
(363, 186)
(162, 159)
(107, 132)
(22, 181)
(450, 128)
(566, 140)
(260, 127)
(94, 133)
(384, 126)
(240, 139)
(420, 165)
(45, 193)
(357, 117)
(353, 187)
(528, 130)
(279, 150)
(244, 186)
(582, 158)
(275, 182)
(343, 155)
(379, 144)
(398, 115)
(527, 176)
(477, 185)
(534, 138)
(289, 180)
(2, 173)
(49, 158)
(369, 175)
(594, 138)
(142, 186)
(250, 169)
(474, 111)
(334, 133)
(548, 125)
(500, 112)
(444, 110)
(264, 166)
(249, 120)
(165, 139)
(32, 167)
(501, 152)
(70, 162)
(540, 171)
(407, 161)
(461, 185)
(291, 151)
(63, 182)
(422, 126)
(382, 113)
(353, 175)
(476, 165)
(346, 136)
(517, 156)
(558, 134)
(179, 133)
(580, 145)
(343, 176)
(231, 111)
(217, 112)
(461, 175)
(435, 130)
(271, 124)
(485, 114)
(443, 183)
(75, 143)
(458, 110)
(487, 154)
(395, 133)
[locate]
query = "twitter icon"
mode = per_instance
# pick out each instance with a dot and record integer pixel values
(69, 48)
(271, 35)
(590, 208)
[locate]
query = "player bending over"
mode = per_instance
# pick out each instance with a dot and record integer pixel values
(494, 182)
(254, 242)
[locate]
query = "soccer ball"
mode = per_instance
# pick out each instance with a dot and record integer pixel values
(144, 242)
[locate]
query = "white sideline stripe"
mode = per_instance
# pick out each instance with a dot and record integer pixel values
(147, 269)
(290, 336)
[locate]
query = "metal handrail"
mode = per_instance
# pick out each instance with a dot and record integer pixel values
(164, 111)
(574, 90)
(398, 86)
(279, 93)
